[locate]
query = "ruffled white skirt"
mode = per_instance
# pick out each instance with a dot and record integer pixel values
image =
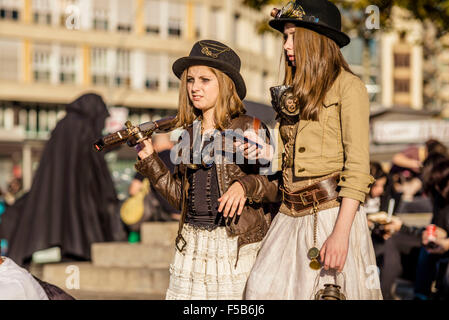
(282, 267)
(206, 270)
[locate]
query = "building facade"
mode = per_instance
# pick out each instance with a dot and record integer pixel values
(52, 51)
(402, 62)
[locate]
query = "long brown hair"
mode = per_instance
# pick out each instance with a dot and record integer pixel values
(228, 103)
(318, 63)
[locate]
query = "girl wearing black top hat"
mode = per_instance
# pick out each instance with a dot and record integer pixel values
(223, 219)
(320, 235)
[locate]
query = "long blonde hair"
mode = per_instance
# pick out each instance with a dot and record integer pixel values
(228, 103)
(318, 63)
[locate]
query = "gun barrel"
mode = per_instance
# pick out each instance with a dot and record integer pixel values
(162, 124)
(111, 140)
(125, 136)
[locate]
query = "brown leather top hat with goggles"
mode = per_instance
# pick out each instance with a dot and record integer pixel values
(217, 55)
(320, 16)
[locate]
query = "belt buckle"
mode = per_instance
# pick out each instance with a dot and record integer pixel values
(304, 194)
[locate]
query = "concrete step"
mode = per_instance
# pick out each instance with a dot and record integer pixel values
(152, 280)
(123, 254)
(159, 233)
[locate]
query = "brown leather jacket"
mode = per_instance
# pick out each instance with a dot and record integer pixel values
(254, 221)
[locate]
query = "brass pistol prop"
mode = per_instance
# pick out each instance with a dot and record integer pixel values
(133, 135)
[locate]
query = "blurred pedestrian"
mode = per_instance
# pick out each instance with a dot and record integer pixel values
(432, 253)
(378, 197)
(72, 202)
(406, 173)
(403, 255)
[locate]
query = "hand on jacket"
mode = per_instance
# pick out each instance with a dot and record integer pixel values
(145, 148)
(232, 200)
(251, 151)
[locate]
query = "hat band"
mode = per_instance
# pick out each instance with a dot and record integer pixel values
(294, 11)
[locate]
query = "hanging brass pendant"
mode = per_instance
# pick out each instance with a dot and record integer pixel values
(313, 253)
(315, 265)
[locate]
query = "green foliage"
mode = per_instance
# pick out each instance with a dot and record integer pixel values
(259, 4)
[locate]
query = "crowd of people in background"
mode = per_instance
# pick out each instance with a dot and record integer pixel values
(417, 182)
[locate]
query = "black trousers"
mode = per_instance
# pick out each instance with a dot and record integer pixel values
(396, 257)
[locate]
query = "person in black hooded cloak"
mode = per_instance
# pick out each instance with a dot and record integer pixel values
(72, 202)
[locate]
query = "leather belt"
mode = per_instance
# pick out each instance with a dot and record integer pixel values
(318, 193)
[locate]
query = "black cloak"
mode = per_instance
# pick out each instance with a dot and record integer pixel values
(72, 202)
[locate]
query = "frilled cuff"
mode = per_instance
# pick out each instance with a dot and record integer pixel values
(151, 167)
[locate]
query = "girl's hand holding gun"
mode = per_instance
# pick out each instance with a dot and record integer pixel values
(145, 148)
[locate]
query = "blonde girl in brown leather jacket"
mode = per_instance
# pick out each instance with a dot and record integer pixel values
(320, 235)
(223, 218)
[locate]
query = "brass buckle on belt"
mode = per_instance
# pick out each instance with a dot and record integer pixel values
(304, 194)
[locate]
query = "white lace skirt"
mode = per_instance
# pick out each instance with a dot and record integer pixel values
(205, 270)
(282, 267)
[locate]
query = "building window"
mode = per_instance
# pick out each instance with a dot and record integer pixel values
(235, 28)
(402, 60)
(152, 16)
(173, 81)
(122, 77)
(9, 59)
(198, 19)
(9, 10)
(153, 63)
(99, 66)
(67, 61)
(402, 85)
(41, 62)
(214, 22)
(175, 18)
(100, 14)
(125, 16)
(42, 12)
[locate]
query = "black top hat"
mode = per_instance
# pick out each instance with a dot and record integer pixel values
(320, 16)
(217, 55)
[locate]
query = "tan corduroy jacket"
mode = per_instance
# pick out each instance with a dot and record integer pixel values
(339, 140)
